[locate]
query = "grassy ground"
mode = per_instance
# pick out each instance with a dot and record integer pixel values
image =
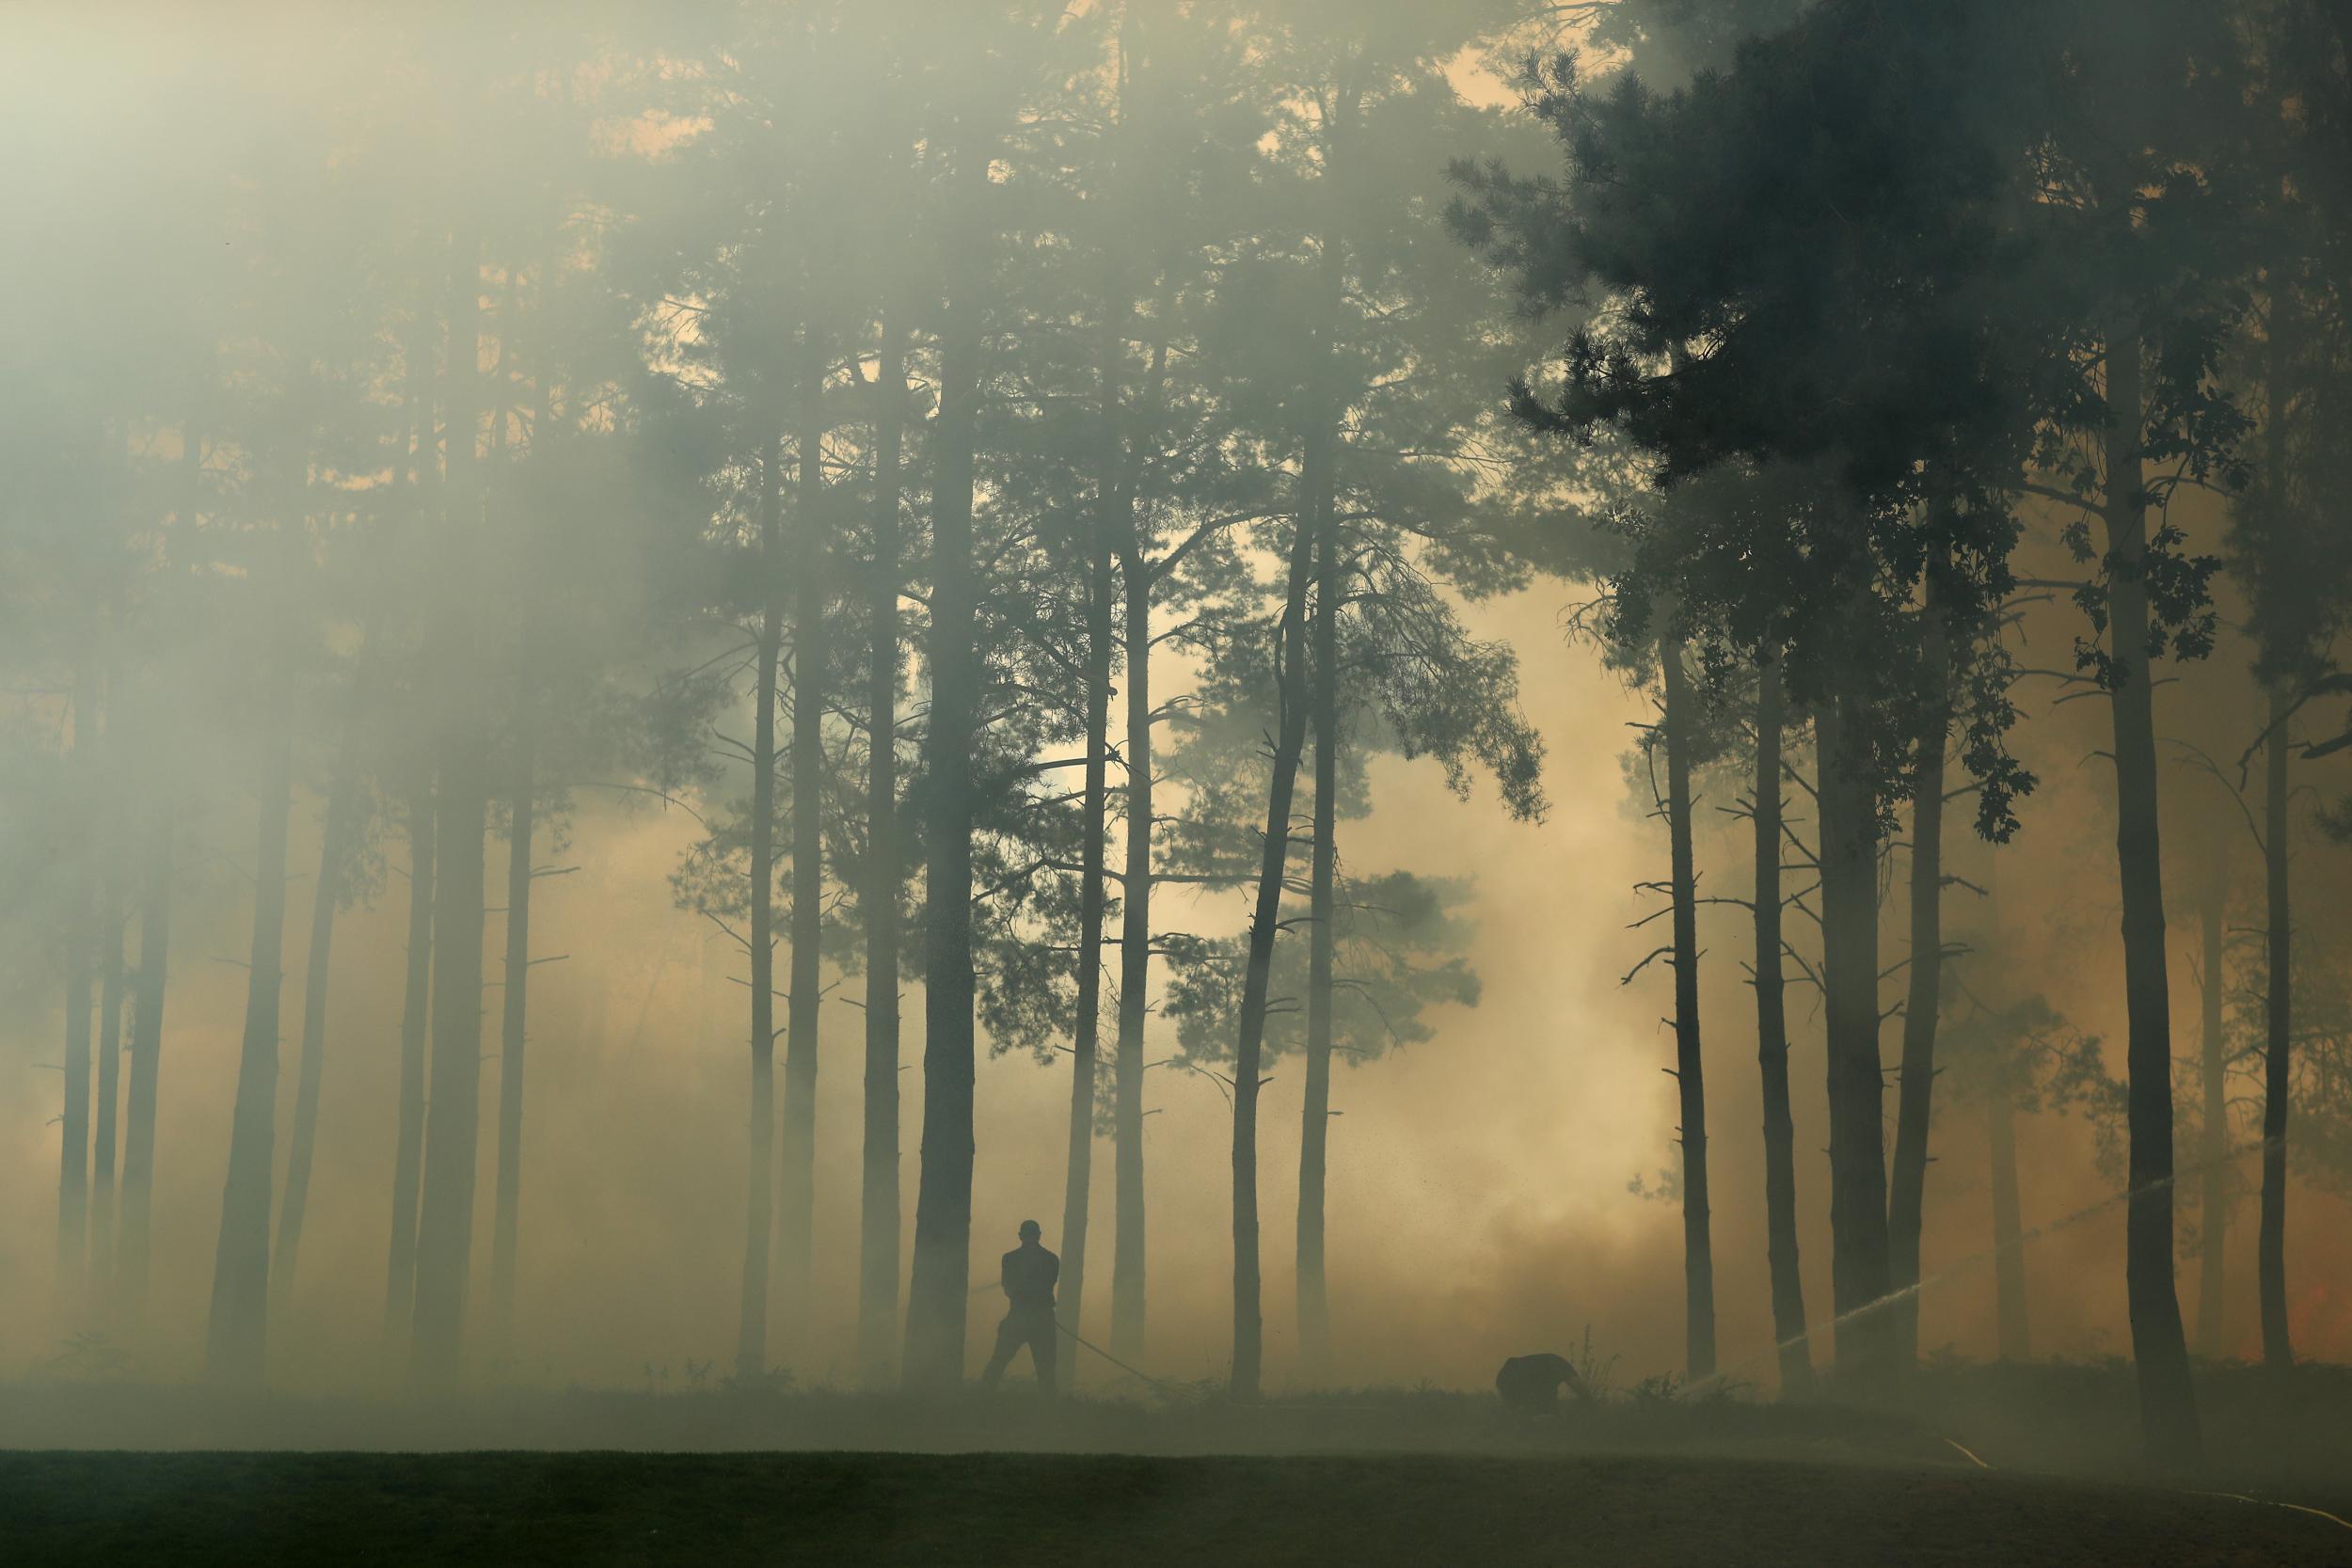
(931, 1509)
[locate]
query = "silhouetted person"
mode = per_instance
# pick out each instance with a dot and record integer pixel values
(1530, 1385)
(1028, 1278)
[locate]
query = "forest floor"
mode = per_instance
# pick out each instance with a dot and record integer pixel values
(600, 1507)
(2009, 1464)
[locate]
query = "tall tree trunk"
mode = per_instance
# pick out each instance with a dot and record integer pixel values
(1698, 1252)
(2213, 1209)
(878, 1230)
(795, 1234)
(2009, 1231)
(1850, 943)
(236, 1337)
(1085, 1037)
(1771, 1046)
(105, 1141)
(1290, 654)
(2270, 1267)
(1923, 1000)
(1109, 523)
(1135, 970)
(2168, 1404)
(514, 1017)
(336, 843)
(146, 1038)
(1314, 1116)
(453, 1120)
(80, 939)
(759, 1197)
(939, 1285)
(400, 1287)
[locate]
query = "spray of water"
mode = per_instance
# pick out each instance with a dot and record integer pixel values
(1976, 1261)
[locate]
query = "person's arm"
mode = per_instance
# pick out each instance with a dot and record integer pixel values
(1004, 1276)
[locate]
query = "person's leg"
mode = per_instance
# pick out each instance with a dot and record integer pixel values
(1008, 1340)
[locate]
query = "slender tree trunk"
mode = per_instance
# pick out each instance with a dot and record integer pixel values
(2168, 1404)
(2009, 1231)
(105, 1141)
(513, 1017)
(1698, 1252)
(1290, 741)
(938, 1290)
(810, 656)
(1111, 523)
(1314, 1119)
(878, 1233)
(335, 848)
(1771, 1046)
(1086, 1037)
(2213, 1209)
(750, 1343)
(452, 1121)
(80, 938)
(1923, 1001)
(1134, 971)
(147, 1036)
(236, 1339)
(1857, 1154)
(400, 1289)
(2270, 1265)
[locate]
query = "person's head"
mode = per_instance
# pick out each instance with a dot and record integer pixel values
(1029, 1231)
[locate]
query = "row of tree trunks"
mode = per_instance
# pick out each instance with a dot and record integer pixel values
(2168, 1404)
(878, 1226)
(1771, 1043)
(1698, 1254)
(1923, 1000)
(938, 1287)
(795, 1232)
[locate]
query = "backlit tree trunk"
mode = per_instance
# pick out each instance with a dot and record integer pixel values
(1771, 1046)
(416, 1025)
(2213, 1208)
(1134, 971)
(2270, 1266)
(878, 1227)
(1923, 1000)
(453, 1122)
(1698, 1253)
(146, 1038)
(513, 1017)
(1290, 741)
(1850, 943)
(795, 1233)
(2168, 1404)
(759, 1196)
(939, 1284)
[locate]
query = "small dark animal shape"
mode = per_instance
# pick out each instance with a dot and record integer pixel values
(1530, 1385)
